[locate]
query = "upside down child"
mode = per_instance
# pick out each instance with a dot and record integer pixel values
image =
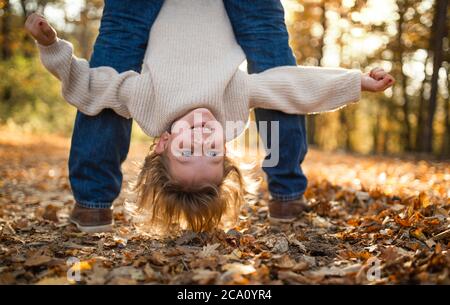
(193, 98)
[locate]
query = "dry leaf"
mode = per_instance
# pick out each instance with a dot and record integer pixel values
(204, 276)
(237, 268)
(50, 213)
(53, 281)
(209, 250)
(157, 258)
(37, 260)
(363, 207)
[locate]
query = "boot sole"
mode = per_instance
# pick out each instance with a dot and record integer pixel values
(275, 221)
(93, 229)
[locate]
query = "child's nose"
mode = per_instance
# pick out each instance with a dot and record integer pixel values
(201, 135)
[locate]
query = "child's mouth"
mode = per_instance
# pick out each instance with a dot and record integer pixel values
(196, 118)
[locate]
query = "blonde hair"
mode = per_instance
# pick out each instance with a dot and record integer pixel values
(166, 206)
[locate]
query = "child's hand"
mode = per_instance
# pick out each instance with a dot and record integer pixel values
(38, 27)
(377, 80)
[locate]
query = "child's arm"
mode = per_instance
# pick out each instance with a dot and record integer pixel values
(89, 89)
(303, 90)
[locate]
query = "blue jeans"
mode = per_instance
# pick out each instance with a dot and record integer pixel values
(100, 143)
(260, 30)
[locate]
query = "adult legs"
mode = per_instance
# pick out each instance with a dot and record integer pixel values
(100, 143)
(260, 29)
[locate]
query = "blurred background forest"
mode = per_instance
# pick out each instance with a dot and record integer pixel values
(409, 38)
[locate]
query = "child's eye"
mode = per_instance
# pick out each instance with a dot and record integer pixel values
(186, 153)
(212, 153)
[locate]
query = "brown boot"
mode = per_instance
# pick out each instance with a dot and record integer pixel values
(286, 211)
(92, 220)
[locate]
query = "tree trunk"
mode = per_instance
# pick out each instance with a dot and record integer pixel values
(311, 119)
(439, 29)
(27, 40)
(323, 22)
(344, 119)
(6, 51)
(376, 133)
(311, 128)
(445, 149)
(23, 6)
(420, 130)
(84, 32)
(402, 79)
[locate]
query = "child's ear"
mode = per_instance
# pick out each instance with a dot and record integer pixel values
(162, 143)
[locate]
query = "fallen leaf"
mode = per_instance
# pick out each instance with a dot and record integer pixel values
(389, 254)
(204, 276)
(238, 268)
(50, 213)
(37, 260)
(209, 250)
(157, 258)
(278, 243)
(236, 254)
(120, 241)
(292, 277)
(150, 273)
(54, 281)
(442, 235)
(127, 272)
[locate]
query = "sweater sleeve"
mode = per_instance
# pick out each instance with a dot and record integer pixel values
(89, 89)
(303, 90)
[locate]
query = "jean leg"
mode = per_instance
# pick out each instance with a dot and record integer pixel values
(100, 143)
(260, 30)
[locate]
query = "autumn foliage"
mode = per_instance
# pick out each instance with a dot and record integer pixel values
(375, 220)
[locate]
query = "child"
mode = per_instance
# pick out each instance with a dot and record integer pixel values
(193, 96)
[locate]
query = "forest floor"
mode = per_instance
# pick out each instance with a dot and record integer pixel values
(375, 220)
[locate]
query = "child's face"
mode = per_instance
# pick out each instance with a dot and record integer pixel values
(194, 149)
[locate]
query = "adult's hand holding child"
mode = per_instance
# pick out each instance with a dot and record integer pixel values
(38, 27)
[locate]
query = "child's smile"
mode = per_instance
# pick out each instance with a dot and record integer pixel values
(194, 149)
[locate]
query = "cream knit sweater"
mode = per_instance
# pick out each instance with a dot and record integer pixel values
(192, 61)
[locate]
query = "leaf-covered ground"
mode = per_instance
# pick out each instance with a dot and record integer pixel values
(375, 221)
